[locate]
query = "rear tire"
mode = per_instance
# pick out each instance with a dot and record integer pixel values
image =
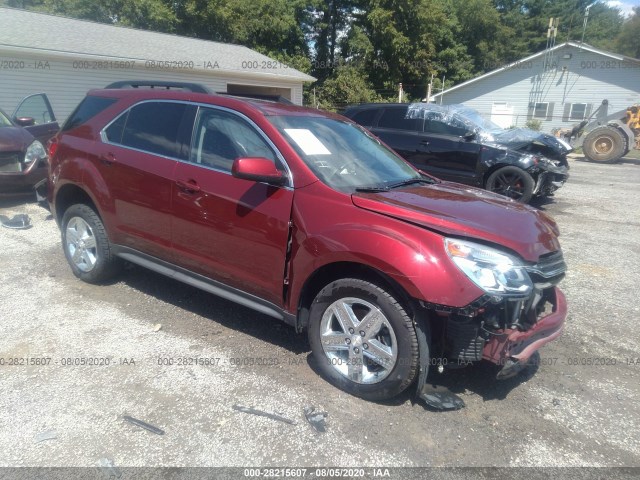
(362, 339)
(604, 145)
(512, 182)
(86, 245)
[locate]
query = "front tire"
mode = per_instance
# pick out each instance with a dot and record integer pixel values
(86, 245)
(604, 145)
(362, 339)
(512, 182)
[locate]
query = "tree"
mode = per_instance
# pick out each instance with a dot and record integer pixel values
(273, 27)
(628, 41)
(145, 14)
(346, 85)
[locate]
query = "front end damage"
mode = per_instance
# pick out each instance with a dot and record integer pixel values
(506, 330)
(550, 175)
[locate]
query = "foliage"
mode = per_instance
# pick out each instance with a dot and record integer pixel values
(628, 42)
(534, 124)
(360, 50)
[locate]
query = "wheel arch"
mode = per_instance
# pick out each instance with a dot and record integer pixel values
(70, 194)
(347, 269)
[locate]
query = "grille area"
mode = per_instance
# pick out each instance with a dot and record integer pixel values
(10, 162)
(549, 270)
(464, 342)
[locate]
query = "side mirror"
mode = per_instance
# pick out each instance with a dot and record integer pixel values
(469, 136)
(258, 169)
(25, 121)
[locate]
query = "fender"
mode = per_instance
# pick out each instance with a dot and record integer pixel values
(410, 255)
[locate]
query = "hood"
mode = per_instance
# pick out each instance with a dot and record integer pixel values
(14, 139)
(461, 211)
(517, 138)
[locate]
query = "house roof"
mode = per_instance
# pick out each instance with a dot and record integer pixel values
(24, 31)
(582, 46)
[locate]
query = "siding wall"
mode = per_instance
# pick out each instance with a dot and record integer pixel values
(66, 84)
(588, 78)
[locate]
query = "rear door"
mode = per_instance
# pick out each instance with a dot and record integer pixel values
(232, 230)
(137, 160)
(38, 108)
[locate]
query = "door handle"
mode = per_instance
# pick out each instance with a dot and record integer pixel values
(424, 142)
(107, 158)
(190, 186)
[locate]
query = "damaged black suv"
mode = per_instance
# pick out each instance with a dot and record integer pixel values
(456, 143)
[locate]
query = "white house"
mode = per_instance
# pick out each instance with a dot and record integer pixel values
(559, 87)
(65, 57)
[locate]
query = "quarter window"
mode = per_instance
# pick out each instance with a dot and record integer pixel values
(221, 137)
(152, 127)
(88, 108)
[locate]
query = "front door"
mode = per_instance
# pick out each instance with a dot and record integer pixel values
(231, 230)
(38, 108)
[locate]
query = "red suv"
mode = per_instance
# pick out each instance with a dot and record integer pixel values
(306, 217)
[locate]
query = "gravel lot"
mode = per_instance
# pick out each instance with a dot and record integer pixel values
(580, 408)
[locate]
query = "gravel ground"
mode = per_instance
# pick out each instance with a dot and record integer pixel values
(580, 408)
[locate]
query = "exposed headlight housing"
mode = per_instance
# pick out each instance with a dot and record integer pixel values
(496, 272)
(34, 152)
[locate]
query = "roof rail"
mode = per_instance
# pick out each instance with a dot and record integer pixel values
(191, 87)
(258, 96)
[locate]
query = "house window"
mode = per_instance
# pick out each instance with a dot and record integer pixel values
(578, 111)
(541, 110)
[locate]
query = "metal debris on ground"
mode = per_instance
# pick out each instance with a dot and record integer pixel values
(20, 221)
(261, 413)
(145, 425)
(108, 469)
(48, 435)
(157, 327)
(316, 419)
(440, 397)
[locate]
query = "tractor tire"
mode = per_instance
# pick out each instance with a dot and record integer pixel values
(604, 144)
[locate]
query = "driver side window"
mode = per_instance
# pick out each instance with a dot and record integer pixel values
(221, 137)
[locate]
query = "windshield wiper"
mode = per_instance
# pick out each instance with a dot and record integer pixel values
(411, 181)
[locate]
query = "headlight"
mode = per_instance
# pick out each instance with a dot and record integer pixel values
(35, 151)
(492, 270)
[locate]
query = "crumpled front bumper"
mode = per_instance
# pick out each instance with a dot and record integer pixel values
(550, 180)
(513, 347)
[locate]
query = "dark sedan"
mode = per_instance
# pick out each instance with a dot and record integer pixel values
(456, 143)
(23, 136)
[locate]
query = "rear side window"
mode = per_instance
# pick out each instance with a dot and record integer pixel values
(396, 118)
(152, 127)
(88, 108)
(365, 117)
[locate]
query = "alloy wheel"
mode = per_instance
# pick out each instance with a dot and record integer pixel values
(358, 340)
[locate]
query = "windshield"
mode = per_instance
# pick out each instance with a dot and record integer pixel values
(4, 120)
(456, 115)
(342, 155)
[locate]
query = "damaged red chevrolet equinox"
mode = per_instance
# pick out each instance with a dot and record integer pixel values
(304, 216)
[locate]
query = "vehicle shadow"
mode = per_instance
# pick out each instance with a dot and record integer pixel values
(216, 309)
(479, 378)
(17, 201)
(541, 203)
